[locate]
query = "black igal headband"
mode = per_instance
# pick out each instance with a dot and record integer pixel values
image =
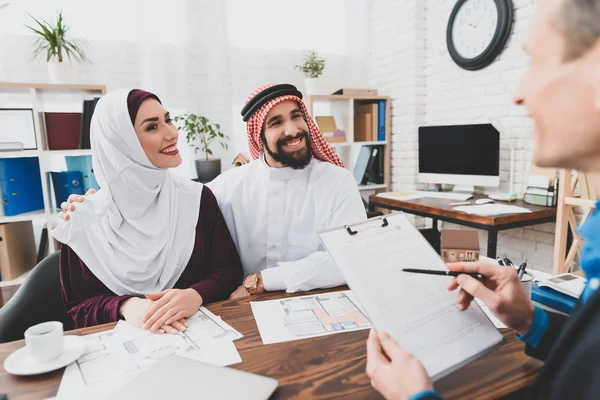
(267, 95)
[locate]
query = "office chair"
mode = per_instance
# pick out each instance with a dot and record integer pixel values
(370, 214)
(37, 300)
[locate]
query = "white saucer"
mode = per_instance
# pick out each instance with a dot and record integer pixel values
(22, 363)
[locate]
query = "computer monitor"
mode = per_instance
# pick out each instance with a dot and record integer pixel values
(463, 155)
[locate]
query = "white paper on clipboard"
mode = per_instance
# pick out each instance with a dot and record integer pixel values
(417, 310)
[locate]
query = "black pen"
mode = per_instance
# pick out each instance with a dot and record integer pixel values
(438, 272)
(521, 270)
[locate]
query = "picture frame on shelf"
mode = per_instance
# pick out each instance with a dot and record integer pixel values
(18, 127)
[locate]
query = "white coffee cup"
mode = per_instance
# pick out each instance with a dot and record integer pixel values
(45, 341)
(527, 281)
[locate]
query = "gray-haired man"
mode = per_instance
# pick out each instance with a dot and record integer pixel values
(561, 92)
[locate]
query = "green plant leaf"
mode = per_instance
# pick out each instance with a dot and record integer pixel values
(53, 40)
(312, 65)
(199, 130)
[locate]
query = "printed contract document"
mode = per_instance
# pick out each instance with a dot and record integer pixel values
(417, 310)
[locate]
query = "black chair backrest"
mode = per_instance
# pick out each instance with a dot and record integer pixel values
(433, 237)
(37, 300)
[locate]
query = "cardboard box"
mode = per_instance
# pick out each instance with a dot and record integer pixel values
(329, 129)
(63, 130)
(365, 114)
(356, 92)
(363, 127)
(335, 139)
(17, 249)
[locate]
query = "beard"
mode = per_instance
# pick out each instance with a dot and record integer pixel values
(297, 159)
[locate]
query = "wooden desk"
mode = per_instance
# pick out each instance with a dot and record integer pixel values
(440, 209)
(319, 368)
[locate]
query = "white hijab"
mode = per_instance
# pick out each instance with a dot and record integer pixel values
(137, 233)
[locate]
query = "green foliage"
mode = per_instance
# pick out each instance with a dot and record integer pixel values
(312, 66)
(52, 41)
(199, 127)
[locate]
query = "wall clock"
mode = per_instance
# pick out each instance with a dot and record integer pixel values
(477, 31)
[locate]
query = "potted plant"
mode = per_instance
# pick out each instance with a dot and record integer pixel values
(312, 67)
(202, 133)
(52, 42)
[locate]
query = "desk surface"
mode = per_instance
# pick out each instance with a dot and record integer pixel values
(325, 367)
(442, 208)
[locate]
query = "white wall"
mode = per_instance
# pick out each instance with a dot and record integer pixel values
(410, 62)
(202, 56)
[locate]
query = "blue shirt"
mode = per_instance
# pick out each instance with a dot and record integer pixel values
(590, 264)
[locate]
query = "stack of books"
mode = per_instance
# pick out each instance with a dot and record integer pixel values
(559, 292)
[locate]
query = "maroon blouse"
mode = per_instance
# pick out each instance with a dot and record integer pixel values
(214, 270)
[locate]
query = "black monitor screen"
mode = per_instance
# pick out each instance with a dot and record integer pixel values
(459, 150)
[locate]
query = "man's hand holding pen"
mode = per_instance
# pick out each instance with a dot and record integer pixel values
(501, 291)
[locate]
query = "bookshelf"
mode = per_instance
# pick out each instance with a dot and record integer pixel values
(342, 108)
(45, 97)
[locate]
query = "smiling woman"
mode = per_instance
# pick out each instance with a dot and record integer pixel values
(138, 248)
(155, 129)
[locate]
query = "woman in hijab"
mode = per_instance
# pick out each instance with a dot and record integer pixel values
(149, 247)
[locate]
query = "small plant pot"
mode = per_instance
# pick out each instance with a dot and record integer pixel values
(312, 86)
(60, 72)
(208, 170)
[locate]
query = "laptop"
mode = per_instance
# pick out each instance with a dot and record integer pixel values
(181, 378)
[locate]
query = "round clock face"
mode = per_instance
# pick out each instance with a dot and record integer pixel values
(474, 27)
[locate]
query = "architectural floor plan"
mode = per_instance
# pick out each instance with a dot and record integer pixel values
(308, 316)
(113, 357)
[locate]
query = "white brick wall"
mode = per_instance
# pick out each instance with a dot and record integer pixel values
(410, 63)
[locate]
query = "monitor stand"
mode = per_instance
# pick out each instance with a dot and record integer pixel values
(464, 189)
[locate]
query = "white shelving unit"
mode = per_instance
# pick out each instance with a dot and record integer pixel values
(69, 152)
(29, 216)
(341, 107)
(45, 97)
(19, 154)
(16, 281)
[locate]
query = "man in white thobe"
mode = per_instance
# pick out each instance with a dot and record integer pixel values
(295, 187)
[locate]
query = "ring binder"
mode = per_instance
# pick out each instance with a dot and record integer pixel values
(351, 232)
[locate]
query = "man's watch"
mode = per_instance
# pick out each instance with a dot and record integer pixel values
(253, 284)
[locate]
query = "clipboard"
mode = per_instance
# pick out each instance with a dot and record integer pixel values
(417, 310)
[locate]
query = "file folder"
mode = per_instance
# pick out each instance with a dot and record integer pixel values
(65, 184)
(553, 299)
(381, 120)
(84, 165)
(21, 185)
